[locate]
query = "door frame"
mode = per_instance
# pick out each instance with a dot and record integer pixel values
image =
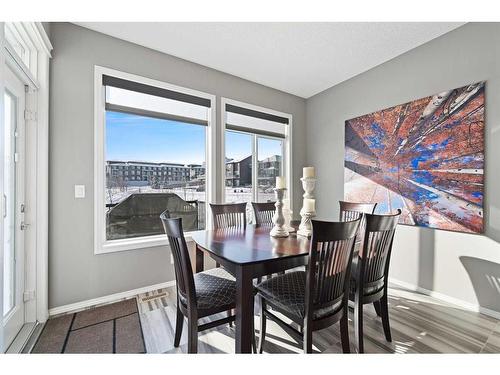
(2, 67)
(36, 77)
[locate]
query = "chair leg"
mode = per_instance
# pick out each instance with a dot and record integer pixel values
(262, 335)
(179, 323)
(192, 335)
(384, 310)
(376, 304)
(254, 343)
(308, 344)
(358, 323)
(344, 333)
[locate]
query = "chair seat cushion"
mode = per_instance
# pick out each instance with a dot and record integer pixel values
(215, 288)
(287, 293)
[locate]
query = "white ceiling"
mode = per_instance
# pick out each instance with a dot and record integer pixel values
(299, 58)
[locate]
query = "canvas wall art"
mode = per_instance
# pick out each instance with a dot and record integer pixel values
(425, 157)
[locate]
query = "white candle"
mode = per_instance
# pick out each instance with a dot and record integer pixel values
(280, 182)
(309, 205)
(308, 172)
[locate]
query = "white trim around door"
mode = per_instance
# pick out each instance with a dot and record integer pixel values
(35, 77)
(2, 69)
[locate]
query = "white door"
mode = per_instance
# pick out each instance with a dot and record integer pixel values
(13, 207)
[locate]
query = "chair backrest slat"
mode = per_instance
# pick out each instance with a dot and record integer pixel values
(330, 259)
(375, 255)
(229, 215)
(182, 263)
(264, 212)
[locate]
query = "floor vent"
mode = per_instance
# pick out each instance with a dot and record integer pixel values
(154, 296)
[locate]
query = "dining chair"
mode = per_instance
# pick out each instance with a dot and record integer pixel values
(370, 272)
(198, 295)
(264, 212)
(317, 297)
(352, 211)
(229, 215)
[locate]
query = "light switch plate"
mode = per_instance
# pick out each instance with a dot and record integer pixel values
(80, 191)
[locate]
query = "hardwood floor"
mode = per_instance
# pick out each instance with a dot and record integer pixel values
(419, 324)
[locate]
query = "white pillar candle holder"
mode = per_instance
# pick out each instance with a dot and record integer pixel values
(287, 213)
(305, 227)
(308, 184)
(279, 229)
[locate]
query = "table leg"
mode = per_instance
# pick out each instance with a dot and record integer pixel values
(244, 310)
(199, 260)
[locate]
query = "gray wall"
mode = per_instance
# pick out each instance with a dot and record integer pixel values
(75, 273)
(460, 266)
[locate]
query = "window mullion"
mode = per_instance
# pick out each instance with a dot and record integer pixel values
(254, 168)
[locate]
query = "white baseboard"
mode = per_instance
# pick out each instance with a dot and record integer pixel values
(445, 298)
(73, 307)
(131, 293)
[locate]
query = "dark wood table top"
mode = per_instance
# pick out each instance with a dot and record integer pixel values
(250, 245)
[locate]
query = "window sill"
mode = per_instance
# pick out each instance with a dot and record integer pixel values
(138, 243)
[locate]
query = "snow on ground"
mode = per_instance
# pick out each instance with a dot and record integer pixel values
(233, 195)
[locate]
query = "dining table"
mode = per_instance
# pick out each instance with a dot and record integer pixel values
(249, 253)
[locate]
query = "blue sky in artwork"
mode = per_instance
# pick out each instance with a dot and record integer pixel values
(138, 138)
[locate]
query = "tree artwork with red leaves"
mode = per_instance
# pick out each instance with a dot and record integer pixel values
(425, 157)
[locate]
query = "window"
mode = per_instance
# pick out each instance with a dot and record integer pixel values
(9, 185)
(148, 126)
(269, 166)
(256, 150)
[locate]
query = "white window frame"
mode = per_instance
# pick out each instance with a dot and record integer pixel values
(101, 244)
(287, 147)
